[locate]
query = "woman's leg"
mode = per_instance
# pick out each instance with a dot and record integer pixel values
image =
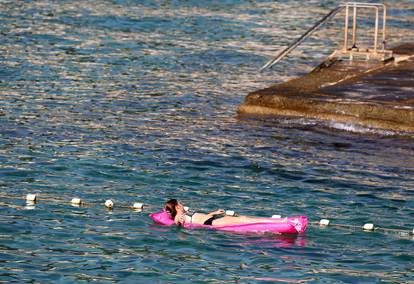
(239, 220)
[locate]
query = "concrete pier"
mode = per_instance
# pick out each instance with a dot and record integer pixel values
(371, 94)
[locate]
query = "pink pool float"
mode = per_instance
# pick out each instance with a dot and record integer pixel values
(287, 225)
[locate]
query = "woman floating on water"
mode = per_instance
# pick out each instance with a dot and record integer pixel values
(216, 218)
(174, 214)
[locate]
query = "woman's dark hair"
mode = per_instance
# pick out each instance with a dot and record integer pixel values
(170, 207)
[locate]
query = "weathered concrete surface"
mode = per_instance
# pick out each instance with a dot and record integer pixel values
(374, 95)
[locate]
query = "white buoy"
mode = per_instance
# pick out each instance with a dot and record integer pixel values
(31, 198)
(276, 216)
(324, 222)
(30, 206)
(368, 227)
(405, 233)
(109, 203)
(186, 208)
(76, 201)
(230, 213)
(412, 232)
(137, 205)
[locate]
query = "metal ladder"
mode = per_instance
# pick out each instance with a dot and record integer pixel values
(353, 52)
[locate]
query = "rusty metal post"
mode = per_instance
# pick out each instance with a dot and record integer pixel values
(354, 28)
(384, 23)
(376, 30)
(346, 28)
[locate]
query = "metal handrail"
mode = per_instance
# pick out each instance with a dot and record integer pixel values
(328, 17)
(298, 41)
(375, 6)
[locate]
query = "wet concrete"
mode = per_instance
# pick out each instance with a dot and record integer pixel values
(371, 94)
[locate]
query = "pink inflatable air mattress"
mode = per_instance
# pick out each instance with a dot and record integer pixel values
(288, 225)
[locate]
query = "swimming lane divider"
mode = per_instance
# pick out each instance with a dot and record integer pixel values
(32, 199)
(365, 227)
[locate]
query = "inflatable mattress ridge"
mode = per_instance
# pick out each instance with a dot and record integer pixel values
(287, 225)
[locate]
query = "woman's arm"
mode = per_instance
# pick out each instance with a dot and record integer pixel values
(217, 212)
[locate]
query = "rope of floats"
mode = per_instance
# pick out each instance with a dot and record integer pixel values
(366, 227)
(33, 199)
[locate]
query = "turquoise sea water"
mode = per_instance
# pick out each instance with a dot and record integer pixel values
(137, 101)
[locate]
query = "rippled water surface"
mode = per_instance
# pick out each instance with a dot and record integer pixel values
(137, 101)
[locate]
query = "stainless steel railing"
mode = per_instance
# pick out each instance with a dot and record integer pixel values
(374, 6)
(347, 51)
(298, 41)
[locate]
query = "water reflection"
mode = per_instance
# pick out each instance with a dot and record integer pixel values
(277, 241)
